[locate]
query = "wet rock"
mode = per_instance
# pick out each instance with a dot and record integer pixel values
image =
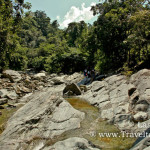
(122, 109)
(14, 76)
(72, 87)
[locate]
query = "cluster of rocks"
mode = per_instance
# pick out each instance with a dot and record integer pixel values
(45, 116)
(15, 85)
(122, 101)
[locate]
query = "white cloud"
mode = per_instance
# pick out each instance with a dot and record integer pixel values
(76, 14)
(58, 17)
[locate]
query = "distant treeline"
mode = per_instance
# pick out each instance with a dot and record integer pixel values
(118, 40)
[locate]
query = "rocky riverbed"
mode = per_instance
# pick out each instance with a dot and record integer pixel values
(45, 116)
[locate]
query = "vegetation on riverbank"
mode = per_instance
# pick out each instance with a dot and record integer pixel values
(6, 114)
(119, 38)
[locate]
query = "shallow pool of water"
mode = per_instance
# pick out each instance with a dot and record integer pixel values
(92, 127)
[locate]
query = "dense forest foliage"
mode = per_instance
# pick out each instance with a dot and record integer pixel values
(118, 40)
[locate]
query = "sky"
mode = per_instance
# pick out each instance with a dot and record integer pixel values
(65, 11)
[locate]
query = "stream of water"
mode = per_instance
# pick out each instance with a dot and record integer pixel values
(92, 126)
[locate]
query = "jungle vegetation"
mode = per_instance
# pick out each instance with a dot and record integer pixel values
(118, 40)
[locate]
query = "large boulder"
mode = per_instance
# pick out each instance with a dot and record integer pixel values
(40, 75)
(4, 93)
(14, 76)
(46, 115)
(123, 101)
(58, 80)
(72, 88)
(110, 96)
(74, 78)
(74, 143)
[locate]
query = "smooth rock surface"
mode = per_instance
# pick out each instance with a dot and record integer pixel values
(45, 115)
(117, 95)
(74, 143)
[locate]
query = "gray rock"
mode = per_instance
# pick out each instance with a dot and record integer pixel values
(74, 78)
(53, 75)
(58, 80)
(4, 93)
(141, 107)
(117, 95)
(40, 75)
(9, 94)
(123, 121)
(122, 109)
(14, 76)
(97, 85)
(12, 95)
(107, 114)
(3, 101)
(72, 87)
(147, 148)
(46, 115)
(74, 143)
(140, 116)
(141, 80)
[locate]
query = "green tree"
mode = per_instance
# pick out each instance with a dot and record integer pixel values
(10, 18)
